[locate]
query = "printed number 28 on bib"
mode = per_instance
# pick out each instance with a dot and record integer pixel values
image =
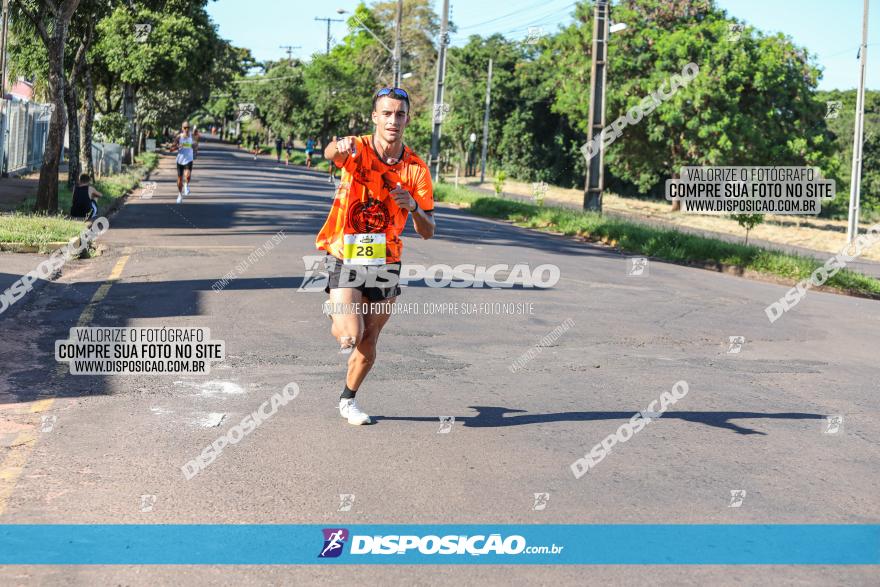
(364, 249)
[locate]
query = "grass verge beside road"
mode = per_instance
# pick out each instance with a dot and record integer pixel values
(663, 244)
(29, 230)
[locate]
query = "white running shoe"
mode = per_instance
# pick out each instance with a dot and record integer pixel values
(186, 189)
(349, 409)
(179, 197)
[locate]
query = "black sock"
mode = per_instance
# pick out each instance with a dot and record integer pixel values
(348, 393)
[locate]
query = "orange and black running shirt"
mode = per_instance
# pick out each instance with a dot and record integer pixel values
(365, 221)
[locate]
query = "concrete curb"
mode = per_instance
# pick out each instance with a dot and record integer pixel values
(23, 248)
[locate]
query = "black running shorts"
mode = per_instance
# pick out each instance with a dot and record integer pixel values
(373, 294)
(180, 168)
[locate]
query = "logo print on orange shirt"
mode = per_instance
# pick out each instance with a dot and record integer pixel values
(362, 176)
(370, 217)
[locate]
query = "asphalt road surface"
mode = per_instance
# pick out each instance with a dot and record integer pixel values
(86, 449)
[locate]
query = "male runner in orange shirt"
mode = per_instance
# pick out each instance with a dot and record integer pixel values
(383, 183)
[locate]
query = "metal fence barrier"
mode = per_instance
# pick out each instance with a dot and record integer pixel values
(24, 127)
(107, 158)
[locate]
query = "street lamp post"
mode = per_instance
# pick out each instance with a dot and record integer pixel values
(395, 52)
(852, 227)
(486, 124)
(434, 163)
(397, 43)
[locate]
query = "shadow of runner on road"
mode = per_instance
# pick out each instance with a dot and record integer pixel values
(495, 417)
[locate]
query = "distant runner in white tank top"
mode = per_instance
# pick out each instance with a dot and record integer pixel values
(187, 147)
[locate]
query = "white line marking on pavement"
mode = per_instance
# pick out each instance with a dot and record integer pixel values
(213, 388)
(212, 420)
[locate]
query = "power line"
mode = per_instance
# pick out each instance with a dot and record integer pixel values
(514, 13)
(261, 79)
(547, 18)
(552, 17)
(853, 49)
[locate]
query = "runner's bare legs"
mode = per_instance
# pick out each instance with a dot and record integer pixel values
(358, 329)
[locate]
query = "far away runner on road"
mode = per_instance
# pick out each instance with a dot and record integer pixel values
(187, 146)
(383, 183)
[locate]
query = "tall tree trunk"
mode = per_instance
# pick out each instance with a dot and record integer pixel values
(86, 122)
(61, 12)
(47, 188)
(72, 99)
(137, 127)
(128, 112)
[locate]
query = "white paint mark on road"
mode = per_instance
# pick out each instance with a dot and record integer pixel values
(212, 420)
(606, 285)
(213, 388)
(220, 388)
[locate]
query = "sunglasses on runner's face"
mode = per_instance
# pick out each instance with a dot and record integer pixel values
(394, 91)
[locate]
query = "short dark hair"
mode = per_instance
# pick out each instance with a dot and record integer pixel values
(84, 178)
(393, 97)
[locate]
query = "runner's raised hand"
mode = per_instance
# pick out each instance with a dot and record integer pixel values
(403, 198)
(346, 146)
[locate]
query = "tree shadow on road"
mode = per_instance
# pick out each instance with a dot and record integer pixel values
(496, 417)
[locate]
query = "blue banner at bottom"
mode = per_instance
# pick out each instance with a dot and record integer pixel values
(613, 544)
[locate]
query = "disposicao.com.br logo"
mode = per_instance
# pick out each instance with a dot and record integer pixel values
(521, 275)
(431, 544)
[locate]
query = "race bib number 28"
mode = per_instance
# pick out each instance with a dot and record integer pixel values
(364, 249)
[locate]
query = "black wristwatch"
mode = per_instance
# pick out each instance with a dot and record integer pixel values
(413, 211)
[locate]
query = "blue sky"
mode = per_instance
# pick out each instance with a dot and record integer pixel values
(829, 30)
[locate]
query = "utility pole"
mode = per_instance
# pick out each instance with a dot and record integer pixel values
(595, 182)
(438, 92)
(329, 20)
(289, 50)
(852, 229)
(397, 43)
(486, 123)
